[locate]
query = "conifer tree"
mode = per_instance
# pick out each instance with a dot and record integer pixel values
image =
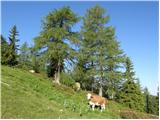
(113, 59)
(54, 38)
(157, 100)
(146, 98)
(99, 51)
(93, 25)
(131, 93)
(35, 62)
(13, 47)
(79, 73)
(151, 103)
(25, 56)
(4, 51)
(157, 103)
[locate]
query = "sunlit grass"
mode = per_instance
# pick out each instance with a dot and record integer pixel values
(27, 95)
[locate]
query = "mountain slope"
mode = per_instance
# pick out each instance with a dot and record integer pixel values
(27, 95)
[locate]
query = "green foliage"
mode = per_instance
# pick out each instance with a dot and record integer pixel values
(114, 60)
(13, 47)
(131, 94)
(51, 68)
(4, 51)
(146, 98)
(56, 30)
(50, 71)
(25, 57)
(9, 50)
(129, 114)
(67, 79)
(151, 103)
(79, 73)
(100, 55)
(93, 25)
(35, 62)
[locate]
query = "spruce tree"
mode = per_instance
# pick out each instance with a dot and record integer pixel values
(4, 51)
(151, 103)
(157, 101)
(146, 98)
(54, 38)
(13, 47)
(131, 94)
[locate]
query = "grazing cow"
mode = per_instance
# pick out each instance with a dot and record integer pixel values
(95, 100)
(32, 71)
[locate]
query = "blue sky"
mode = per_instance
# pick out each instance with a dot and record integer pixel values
(136, 26)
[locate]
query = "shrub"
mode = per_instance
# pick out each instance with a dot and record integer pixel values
(26, 66)
(129, 114)
(66, 79)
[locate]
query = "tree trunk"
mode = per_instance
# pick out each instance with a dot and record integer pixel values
(57, 77)
(92, 82)
(57, 73)
(112, 96)
(92, 87)
(100, 88)
(100, 91)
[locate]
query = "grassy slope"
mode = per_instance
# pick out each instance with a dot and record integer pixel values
(27, 95)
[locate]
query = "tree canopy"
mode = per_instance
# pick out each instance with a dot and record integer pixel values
(54, 38)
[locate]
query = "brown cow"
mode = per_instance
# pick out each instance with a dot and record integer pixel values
(95, 100)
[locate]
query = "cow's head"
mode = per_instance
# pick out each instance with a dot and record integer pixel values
(89, 96)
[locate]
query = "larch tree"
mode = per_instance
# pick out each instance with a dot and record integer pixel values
(100, 53)
(93, 24)
(111, 62)
(57, 38)
(25, 56)
(35, 61)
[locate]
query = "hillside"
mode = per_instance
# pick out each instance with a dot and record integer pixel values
(27, 95)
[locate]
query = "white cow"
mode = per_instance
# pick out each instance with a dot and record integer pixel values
(95, 100)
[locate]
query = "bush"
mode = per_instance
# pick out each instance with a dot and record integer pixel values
(66, 79)
(50, 71)
(129, 114)
(26, 66)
